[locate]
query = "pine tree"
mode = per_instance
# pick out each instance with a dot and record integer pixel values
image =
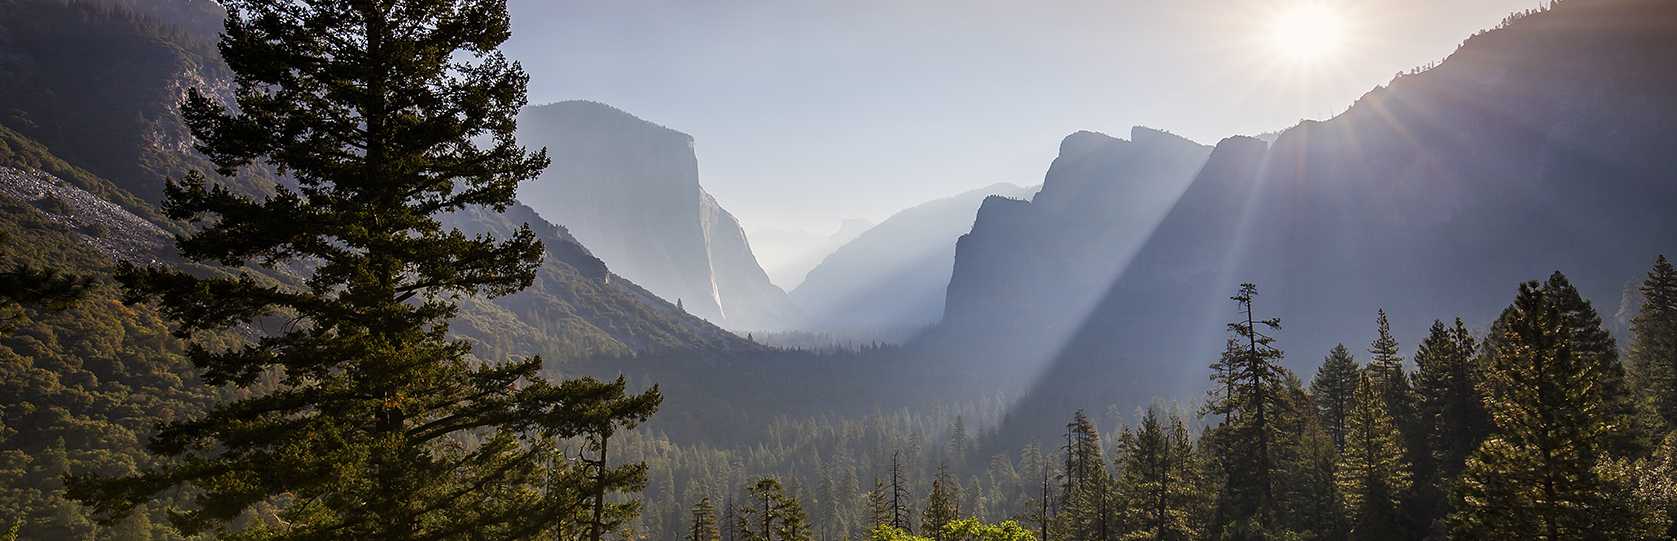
(1385, 369)
(943, 505)
(1159, 481)
(1591, 341)
(1537, 477)
(879, 510)
(1450, 412)
(1653, 351)
(385, 115)
(1088, 513)
(1332, 388)
(758, 521)
(703, 527)
(1248, 444)
(1372, 474)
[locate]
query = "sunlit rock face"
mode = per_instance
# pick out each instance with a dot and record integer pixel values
(1542, 146)
(1029, 271)
(629, 190)
(894, 275)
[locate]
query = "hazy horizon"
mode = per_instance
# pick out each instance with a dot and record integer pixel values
(808, 113)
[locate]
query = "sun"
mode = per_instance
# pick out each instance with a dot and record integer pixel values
(1308, 32)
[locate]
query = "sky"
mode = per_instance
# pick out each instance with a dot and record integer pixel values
(807, 112)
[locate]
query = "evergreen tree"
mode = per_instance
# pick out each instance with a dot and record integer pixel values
(1450, 412)
(1653, 351)
(1372, 474)
(759, 520)
(1088, 512)
(703, 527)
(1538, 476)
(1254, 393)
(879, 510)
(1591, 341)
(1159, 481)
(1385, 369)
(1332, 388)
(386, 114)
(943, 505)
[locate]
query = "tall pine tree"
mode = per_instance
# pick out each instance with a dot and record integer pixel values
(703, 524)
(1159, 485)
(1372, 472)
(386, 114)
(1335, 381)
(1538, 476)
(1653, 351)
(1450, 413)
(1255, 392)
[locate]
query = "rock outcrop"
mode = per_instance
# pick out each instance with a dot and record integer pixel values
(894, 275)
(629, 190)
(1029, 271)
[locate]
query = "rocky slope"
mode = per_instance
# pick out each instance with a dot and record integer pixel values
(895, 274)
(629, 190)
(1029, 271)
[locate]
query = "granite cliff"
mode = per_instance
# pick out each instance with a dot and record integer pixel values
(629, 190)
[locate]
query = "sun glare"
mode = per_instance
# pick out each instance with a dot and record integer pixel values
(1308, 32)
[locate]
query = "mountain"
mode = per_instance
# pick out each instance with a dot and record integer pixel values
(1029, 271)
(1542, 145)
(788, 256)
(895, 274)
(629, 190)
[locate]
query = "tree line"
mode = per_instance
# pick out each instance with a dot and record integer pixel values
(1541, 428)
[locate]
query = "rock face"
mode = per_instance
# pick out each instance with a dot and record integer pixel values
(1541, 146)
(895, 274)
(1029, 271)
(629, 190)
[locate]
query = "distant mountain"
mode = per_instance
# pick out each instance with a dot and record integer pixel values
(629, 190)
(1029, 271)
(1543, 145)
(895, 274)
(788, 256)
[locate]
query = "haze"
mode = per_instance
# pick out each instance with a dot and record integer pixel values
(806, 113)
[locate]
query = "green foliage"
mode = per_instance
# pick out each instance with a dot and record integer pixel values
(1653, 351)
(81, 388)
(973, 530)
(1540, 475)
(53, 205)
(943, 504)
(891, 533)
(773, 516)
(1385, 369)
(1332, 388)
(1160, 491)
(1372, 472)
(704, 522)
(1254, 392)
(1450, 412)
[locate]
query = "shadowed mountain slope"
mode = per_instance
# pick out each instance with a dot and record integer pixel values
(1028, 272)
(1540, 146)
